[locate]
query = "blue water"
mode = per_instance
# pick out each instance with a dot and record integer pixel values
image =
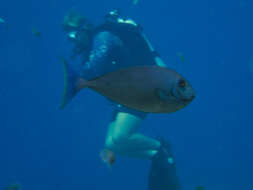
(44, 148)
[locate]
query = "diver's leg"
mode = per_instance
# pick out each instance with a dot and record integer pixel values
(123, 140)
(122, 137)
(146, 155)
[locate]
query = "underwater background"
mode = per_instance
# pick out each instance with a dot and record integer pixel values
(44, 148)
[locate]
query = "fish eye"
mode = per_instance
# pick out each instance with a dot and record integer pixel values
(182, 83)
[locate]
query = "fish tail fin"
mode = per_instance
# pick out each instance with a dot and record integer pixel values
(73, 83)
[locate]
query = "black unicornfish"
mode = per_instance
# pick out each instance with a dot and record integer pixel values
(150, 89)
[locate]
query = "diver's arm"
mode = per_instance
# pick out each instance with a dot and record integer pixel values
(102, 52)
(103, 44)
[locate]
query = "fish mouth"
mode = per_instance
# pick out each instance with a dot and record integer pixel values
(180, 98)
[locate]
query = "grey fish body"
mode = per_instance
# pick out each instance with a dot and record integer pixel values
(140, 88)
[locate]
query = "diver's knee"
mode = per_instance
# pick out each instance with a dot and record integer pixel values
(120, 140)
(116, 142)
(109, 143)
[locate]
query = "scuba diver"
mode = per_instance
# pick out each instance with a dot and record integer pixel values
(115, 44)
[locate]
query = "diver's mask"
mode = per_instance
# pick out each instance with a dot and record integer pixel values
(74, 22)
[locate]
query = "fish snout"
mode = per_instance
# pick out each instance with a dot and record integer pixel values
(189, 94)
(185, 95)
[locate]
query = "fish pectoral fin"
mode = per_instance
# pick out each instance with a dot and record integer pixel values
(161, 94)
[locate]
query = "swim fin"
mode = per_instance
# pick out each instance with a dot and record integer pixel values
(162, 174)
